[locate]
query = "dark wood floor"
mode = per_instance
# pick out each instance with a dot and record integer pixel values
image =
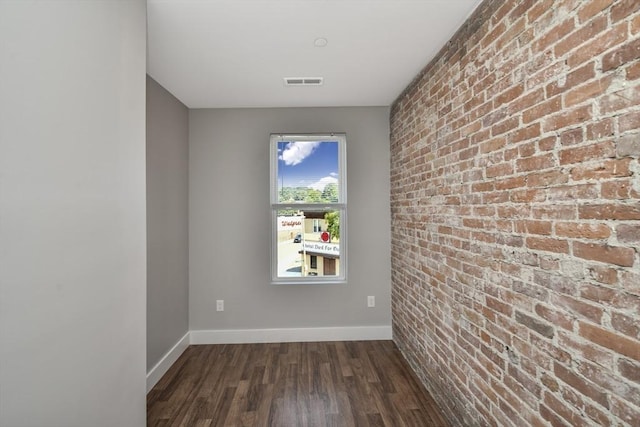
(364, 383)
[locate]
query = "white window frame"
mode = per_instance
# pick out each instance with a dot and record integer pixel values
(340, 206)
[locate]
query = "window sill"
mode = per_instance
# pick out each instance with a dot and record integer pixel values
(309, 282)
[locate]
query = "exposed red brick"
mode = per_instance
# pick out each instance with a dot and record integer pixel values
(508, 95)
(628, 233)
(533, 227)
(586, 310)
(629, 121)
(571, 417)
(572, 79)
(609, 212)
(581, 35)
(604, 275)
(635, 25)
(551, 416)
(581, 385)
(582, 230)
(542, 110)
(624, 411)
(567, 118)
(498, 306)
(618, 343)
(553, 35)
(591, 8)
(589, 152)
(622, 55)
(514, 211)
(554, 317)
(545, 179)
(620, 100)
(619, 189)
(527, 101)
(524, 134)
(505, 126)
(572, 136)
(493, 35)
(601, 170)
(604, 253)
(534, 324)
(580, 348)
(499, 170)
(600, 129)
(515, 182)
(630, 370)
(547, 143)
(625, 324)
(632, 71)
(623, 9)
(555, 212)
(536, 163)
(598, 44)
(539, 8)
(493, 145)
(587, 92)
(573, 192)
(630, 281)
(629, 300)
(547, 244)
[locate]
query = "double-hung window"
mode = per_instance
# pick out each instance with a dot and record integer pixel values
(308, 208)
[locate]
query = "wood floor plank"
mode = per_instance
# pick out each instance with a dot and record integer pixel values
(363, 383)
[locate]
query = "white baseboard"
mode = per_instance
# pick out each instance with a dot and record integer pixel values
(249, 336)
(165, 363)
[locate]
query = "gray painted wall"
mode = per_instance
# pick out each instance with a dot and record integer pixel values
(167, 221)
(72, 209)
(229, 221)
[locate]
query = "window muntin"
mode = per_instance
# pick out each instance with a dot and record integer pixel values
(308, 204)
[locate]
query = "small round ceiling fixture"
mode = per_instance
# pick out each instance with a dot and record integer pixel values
(320, 42)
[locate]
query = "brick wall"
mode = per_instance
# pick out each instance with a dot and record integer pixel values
(515, 192)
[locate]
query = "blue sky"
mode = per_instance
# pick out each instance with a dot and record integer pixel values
(311, 164)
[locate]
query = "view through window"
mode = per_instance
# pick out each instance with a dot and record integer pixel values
(308, 202)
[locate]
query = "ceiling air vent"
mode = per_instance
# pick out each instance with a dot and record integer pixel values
(303, 81)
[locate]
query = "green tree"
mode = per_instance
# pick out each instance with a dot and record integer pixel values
(286, 194)
(313, 196)
(333, 224)
(300, 194)
(330, 193)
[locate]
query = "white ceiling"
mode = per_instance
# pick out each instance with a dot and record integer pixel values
(235, 53)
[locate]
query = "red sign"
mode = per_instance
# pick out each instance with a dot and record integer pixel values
(325, 237)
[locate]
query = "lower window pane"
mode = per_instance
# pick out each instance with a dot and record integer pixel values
(308, 243)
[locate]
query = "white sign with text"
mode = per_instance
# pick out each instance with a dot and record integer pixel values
(332, 249)
(290, 222)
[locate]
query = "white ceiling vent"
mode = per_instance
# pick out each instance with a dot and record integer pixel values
(303, 81)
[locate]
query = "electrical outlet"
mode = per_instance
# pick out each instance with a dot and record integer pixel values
(371, 301)
(220, 305)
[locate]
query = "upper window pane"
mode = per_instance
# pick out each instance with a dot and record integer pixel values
(308, 171)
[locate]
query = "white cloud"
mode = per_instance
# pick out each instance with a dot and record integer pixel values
(319, 185)
(295, 152)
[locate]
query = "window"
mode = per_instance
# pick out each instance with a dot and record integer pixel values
(308, 208)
